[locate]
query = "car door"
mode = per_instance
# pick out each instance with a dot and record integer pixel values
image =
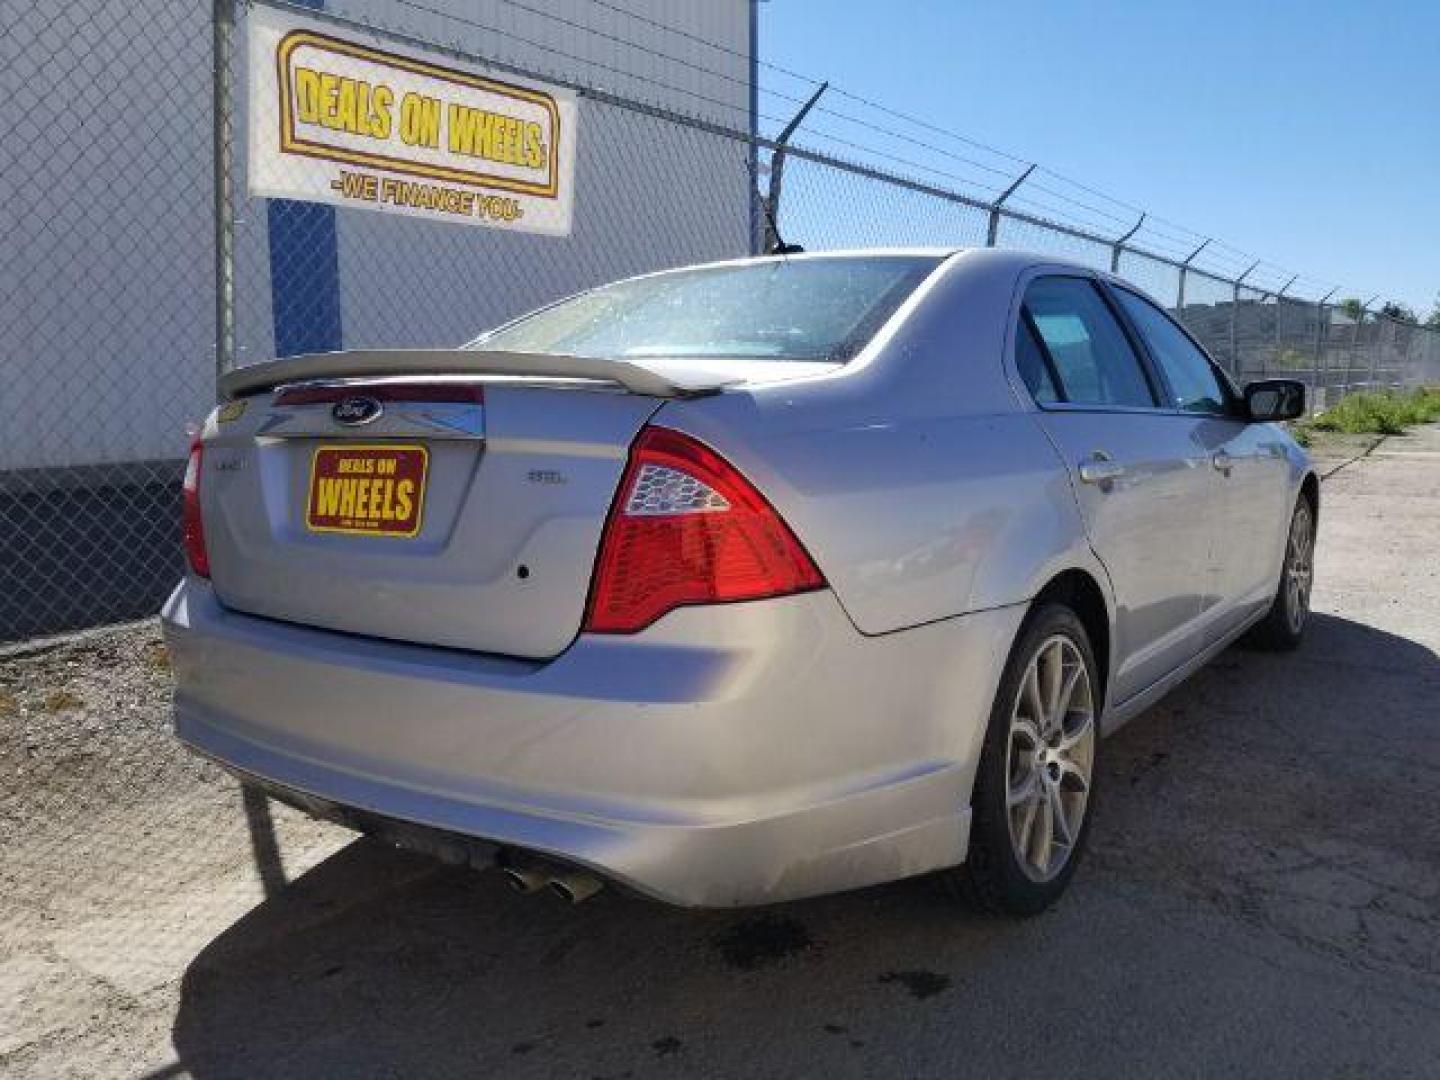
(1145, 488)
(1252, 478)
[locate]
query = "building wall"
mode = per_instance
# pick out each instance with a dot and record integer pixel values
(106, 288)
(106, 304)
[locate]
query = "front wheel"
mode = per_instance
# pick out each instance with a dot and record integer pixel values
(1284, 624)
(1035, 785)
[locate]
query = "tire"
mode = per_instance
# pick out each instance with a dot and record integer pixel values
(995, 878)
(1283, 626)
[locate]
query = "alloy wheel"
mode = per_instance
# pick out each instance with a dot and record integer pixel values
(1299, 568)
(1050, 756)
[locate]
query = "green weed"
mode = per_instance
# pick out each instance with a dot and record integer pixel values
(1380, 412)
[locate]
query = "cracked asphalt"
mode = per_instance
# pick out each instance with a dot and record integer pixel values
(1261, 897)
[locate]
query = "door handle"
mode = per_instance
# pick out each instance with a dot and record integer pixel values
(1100, 469)
(1222, 461)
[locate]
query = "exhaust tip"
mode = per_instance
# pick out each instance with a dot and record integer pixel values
(521, 879)
(575, 888)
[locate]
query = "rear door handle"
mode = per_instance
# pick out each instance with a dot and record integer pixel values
(1100, 469)
(1222, 461)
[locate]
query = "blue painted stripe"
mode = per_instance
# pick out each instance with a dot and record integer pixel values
(304, 277)
(304, 272)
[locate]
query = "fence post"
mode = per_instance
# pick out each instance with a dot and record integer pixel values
(777, 173)
(992, 232)
(1365, 310)
(1119, 245)
(1355, 345)
(1322, 323)
(1235, 316)
(1379, 345)
(223, 30)
(1279, 311)
(757, 217)
(1350, 354)
(1185, 269)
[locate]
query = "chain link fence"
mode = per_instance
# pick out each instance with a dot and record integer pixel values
(147, 268)
(106, 316)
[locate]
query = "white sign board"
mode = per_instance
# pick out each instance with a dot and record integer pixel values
(338, 119)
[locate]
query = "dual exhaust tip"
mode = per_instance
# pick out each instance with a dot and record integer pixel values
(570, 885)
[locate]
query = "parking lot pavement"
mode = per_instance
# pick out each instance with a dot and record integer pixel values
(1261, 898)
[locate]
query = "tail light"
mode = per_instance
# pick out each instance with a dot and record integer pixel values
(194, 528)
(687, 528)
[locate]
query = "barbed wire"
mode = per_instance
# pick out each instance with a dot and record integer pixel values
(1155, 225)
(1169, 239)
(746, 82)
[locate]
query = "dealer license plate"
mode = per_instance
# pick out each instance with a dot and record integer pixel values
(368, 489)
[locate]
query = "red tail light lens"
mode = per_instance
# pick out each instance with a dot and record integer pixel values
(687, 528)
(194, 528)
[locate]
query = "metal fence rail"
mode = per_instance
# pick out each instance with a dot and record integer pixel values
(115, 332)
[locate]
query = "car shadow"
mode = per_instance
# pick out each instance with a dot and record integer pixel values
(381, 963)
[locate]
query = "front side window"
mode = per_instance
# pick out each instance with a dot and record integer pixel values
(1194, 386)
(1089, 354)
(819, 308)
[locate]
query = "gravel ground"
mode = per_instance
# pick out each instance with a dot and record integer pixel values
(1262, 896)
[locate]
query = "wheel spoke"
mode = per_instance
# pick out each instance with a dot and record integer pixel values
(1070, 739)
(1053, 682)
(1027, 826)
(1030, 693)
(1057, 814)
(1028, 731)
(1067, 694)
(1024, 792)
(1039, 847)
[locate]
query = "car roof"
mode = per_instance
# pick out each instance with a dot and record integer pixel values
(1000, 259)
(1005, 262)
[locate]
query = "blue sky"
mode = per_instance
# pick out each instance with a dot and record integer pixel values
(1306, 134)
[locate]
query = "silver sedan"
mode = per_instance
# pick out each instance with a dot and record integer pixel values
(740, 582)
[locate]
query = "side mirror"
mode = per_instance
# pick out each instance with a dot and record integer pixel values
(1274, 399)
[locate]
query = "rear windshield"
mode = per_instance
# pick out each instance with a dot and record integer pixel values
(782, 309)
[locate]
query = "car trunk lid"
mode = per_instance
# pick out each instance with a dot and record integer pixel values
(465, 512)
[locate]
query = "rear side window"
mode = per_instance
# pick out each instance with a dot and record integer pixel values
(1088, 351)
(1034, 365)
(1194, 386)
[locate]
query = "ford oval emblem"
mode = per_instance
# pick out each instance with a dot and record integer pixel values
(356, 410)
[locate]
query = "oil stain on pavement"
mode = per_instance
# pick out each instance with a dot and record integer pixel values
(761, 942)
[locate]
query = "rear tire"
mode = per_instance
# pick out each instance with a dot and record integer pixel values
(1283, 626)
(1035, 785)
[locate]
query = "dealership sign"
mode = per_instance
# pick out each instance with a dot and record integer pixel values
(335, 118)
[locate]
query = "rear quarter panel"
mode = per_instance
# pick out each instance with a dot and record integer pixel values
(915, 478)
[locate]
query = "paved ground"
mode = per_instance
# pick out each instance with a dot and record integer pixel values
(1262, 897)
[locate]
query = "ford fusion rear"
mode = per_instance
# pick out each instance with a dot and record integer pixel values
(730, 584)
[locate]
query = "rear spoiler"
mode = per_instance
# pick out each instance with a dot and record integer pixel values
(651, 380)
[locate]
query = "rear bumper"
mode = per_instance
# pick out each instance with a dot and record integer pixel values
(736, 754)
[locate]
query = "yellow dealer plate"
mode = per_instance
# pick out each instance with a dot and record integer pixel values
(367, 489)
